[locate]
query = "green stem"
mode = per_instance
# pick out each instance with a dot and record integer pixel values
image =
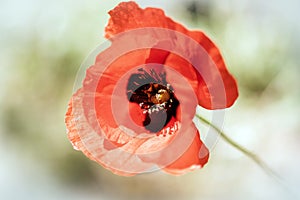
(242, 149)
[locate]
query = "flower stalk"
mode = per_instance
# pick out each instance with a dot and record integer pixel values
(242, 149)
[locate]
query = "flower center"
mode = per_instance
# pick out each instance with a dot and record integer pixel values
(155, 97)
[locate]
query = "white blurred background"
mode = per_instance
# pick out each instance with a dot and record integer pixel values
(42, 46)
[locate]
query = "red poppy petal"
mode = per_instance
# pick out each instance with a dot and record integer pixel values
(195, 157)
(128, 16)
(230, 86)
(157, 56)
(186, 153)
(104, 90)
(184, 68)
(74, 127)
(73, 133)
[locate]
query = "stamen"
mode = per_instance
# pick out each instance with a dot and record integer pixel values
(169, 130)
(156, 99)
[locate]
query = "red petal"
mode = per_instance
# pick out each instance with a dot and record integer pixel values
(78, 131)
(105, 88)
(230, 86)
(185, 153)
(73, 133)
(195, 157)
(128, 16)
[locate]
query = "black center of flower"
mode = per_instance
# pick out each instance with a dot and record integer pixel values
(154, 96)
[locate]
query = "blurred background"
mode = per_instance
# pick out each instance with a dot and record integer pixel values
(42, 46)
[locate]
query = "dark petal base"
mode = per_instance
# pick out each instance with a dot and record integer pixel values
(154, 96)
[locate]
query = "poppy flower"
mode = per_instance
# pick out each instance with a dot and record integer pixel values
(134, 111)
